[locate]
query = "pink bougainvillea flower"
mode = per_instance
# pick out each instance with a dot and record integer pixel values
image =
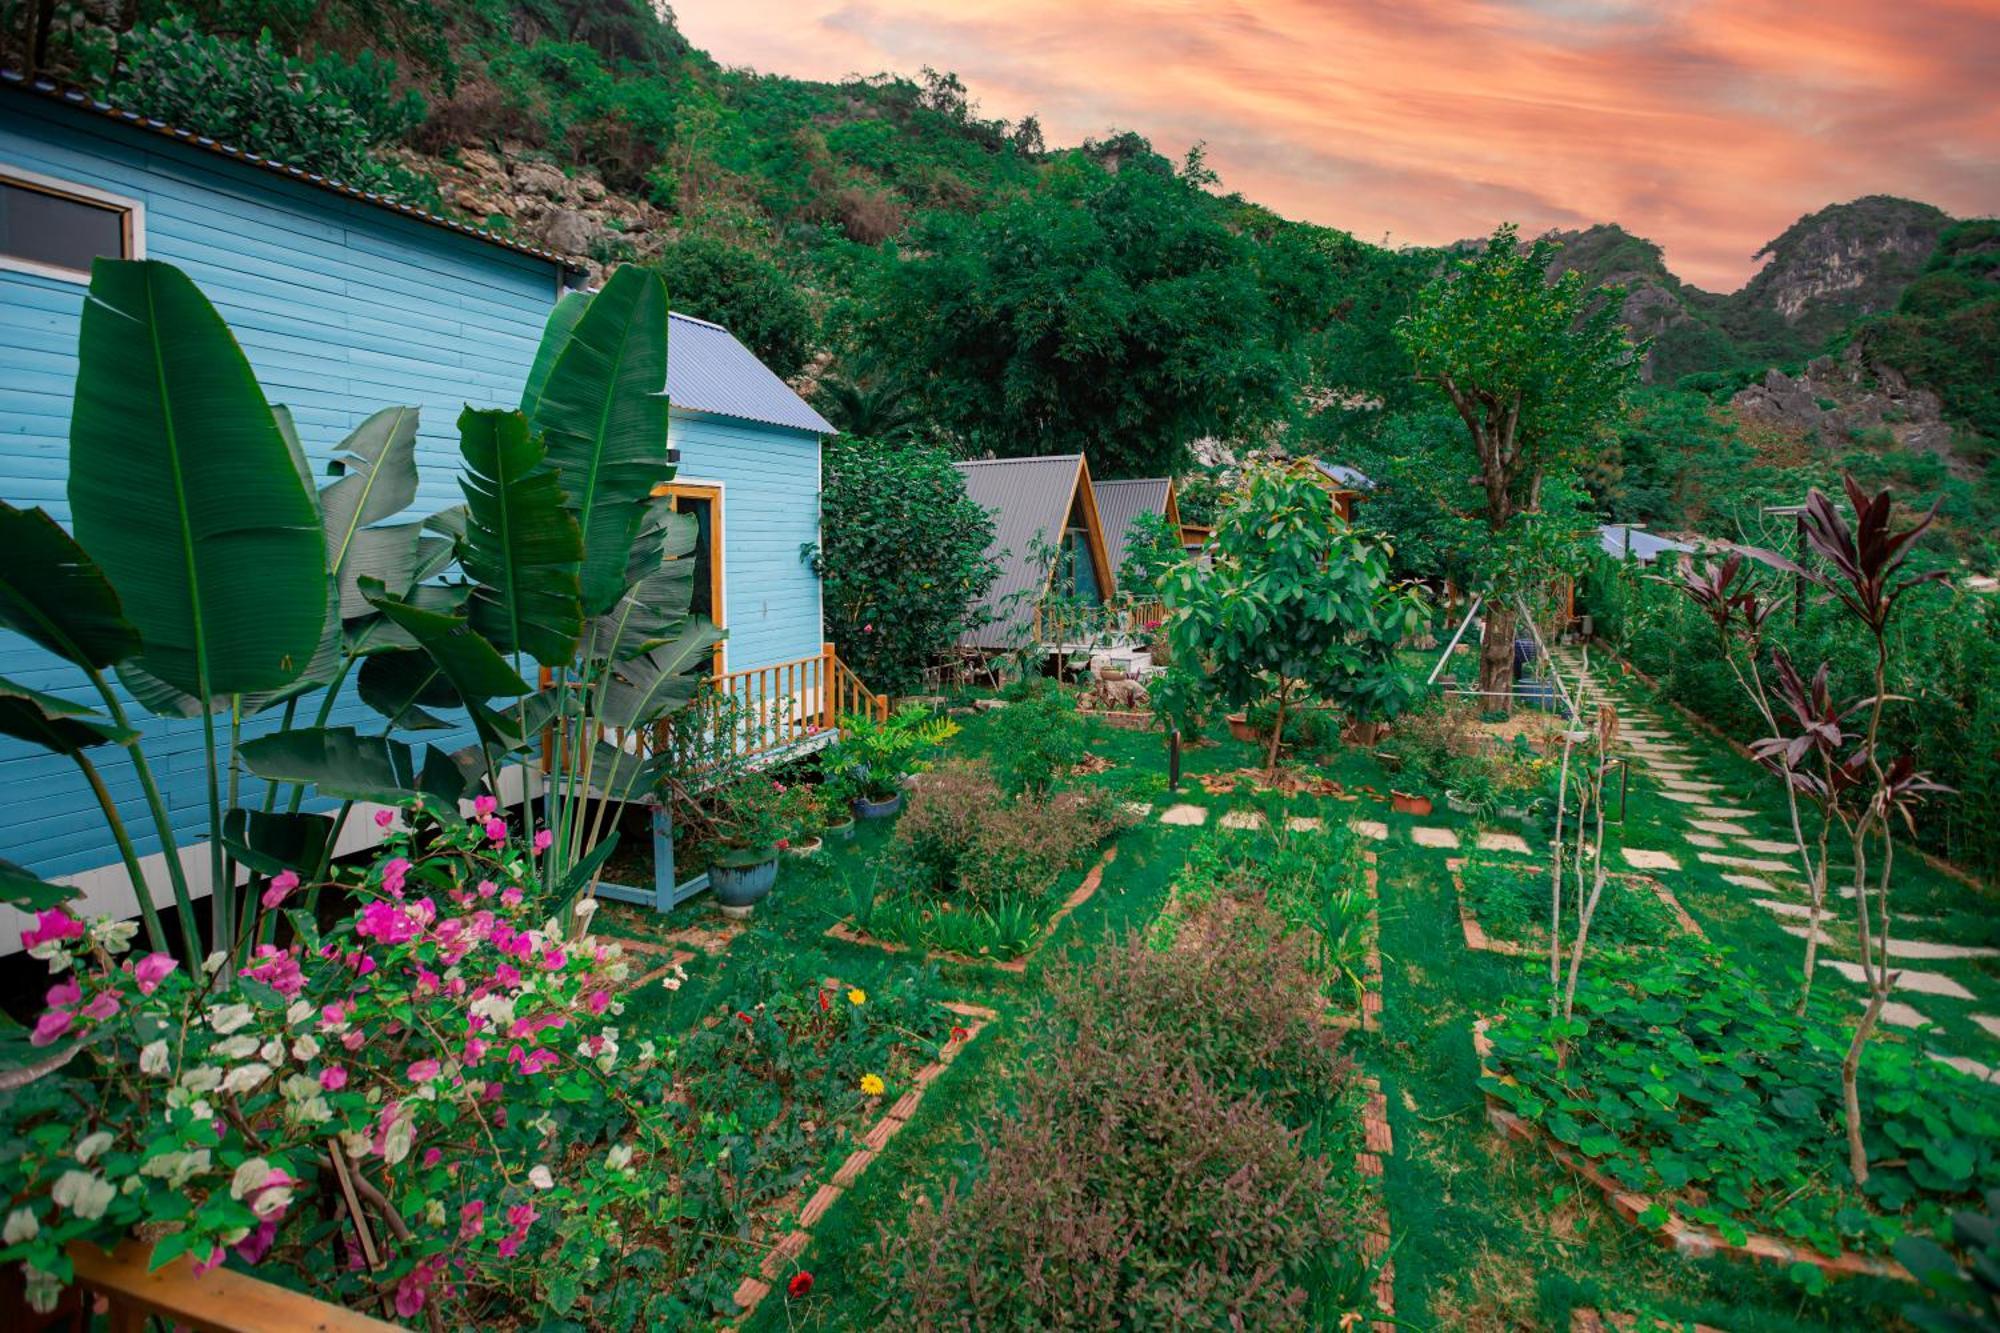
(102, 1005)
(554, 960)
(151, 970)
(484, 806)
(423, 1071)
(511, 896)
(65, 994)
(50, 1026)
(471, 1219)
(203, 1267)
(393, 872)
(51, 923)
(432, 1156)
(597, 1002)
(277, 969)
(333, 1078)
(253, 1247)
(281, 888)
(487, 888)
(384, 818)
(354, 1040)
(388, 922)
(543, 839)
(496, 830)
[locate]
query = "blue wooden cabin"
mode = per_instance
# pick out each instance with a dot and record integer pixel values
(344, 303)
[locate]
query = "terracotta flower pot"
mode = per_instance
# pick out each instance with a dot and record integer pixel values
(1240, 728)
(1409, 803)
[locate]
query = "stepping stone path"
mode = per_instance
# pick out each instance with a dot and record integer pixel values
(1372, 828)
(1684, 797)
(1745, 862)
(1770, 847)
(1433, 837)
(1725, 812)
(1639, 858)
(1751, 882)
(1186, 816)
(1303, 823)
(1923, 983)
(1704, 840)
(1799, 911)
(1243, 819)
(1989, 1023)
(1902, 1015)
(1966, 1065)
(1689, 784)
(1719, 826)
(1503, 842)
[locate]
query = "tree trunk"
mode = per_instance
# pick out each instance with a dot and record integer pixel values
(1496, 659)
(1277, 736)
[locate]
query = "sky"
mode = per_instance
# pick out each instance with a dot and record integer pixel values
(1707, 126)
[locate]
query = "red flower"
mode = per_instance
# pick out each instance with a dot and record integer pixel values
(800, 1285)
(824, 1003)
(747, 1020)
(784, 843)
(959, 1034)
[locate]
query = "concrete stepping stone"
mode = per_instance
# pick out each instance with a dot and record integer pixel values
(1372, 828)
(1684, 797)
(1725, 812)
(1242, 819)
(1965, 1064)
(1640, 858)
(1137, 810)
(1800, 911)
(1303, 823)
(1923, 983)
(1690, 784)
(1770, 846)
(1657, 769)
(1720, 826)
(1746, 862)
(1988, 1023)
(1936, 951)
(1703, 840)
(1433, 837)
(1902, 1015)
(1186, 816)
(1502, 842)
(1751, 882)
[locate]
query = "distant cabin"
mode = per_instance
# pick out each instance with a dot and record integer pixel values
(1119, 503)
(1049, 542)
(344, 302)
(1348, 486)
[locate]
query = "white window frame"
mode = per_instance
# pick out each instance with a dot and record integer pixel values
(134, 212)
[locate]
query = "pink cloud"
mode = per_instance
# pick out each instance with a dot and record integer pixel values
(1705, 125)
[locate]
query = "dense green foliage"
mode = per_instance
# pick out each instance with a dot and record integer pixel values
(902, 557)
(745, 293)
(1946, 329)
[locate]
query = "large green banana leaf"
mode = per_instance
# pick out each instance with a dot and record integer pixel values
(469, 662)
(555, 336)
(659, 592)
(52, 723)
(400, 686)
(377, 465)
(21, 888)
(343, 763)
(269, 841)
(51, 591)
(520, 547)
(602, 413)
(642, 690)
(183, 488)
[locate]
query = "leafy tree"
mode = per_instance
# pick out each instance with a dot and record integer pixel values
(1297, 605)
(902, 560)
(1114, 315)
(1152, 548)
(745, 293)
(884, 411)
(1536, 371)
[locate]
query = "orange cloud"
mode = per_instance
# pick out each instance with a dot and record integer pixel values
(1705, 125)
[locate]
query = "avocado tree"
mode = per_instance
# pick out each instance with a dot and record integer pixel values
(1296, 605)
(1536, 370)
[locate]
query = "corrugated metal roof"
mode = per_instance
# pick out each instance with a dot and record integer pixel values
(1644, 546)
(709, 371)
(1028, 498)
(1119, 502)
(1340, 473)
(83, 100)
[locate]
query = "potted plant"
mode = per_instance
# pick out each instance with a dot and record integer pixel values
(878, 758)
(750, 827)
(1241, 728)
(1409, 803)
(802, 810)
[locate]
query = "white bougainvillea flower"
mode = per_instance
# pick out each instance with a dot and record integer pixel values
(542, 1178)
(43, 1289)
(226, 1018)
(153, 1058)
(300, 1011)
(305, 1048)
(21, 1225)
(620, 1156)
(92, 1145)
(213, 963)
(114, 937)
(272, 1052)
(246, 1077)
(176, 1168)
(249, 1176)
(240, 1047)
(84, 1193)
(201, 1079)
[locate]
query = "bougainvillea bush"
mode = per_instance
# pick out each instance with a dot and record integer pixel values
(1182, 1160)
(519, 1154)
(1684, 1080)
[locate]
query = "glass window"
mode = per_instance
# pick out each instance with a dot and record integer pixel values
(44, 227)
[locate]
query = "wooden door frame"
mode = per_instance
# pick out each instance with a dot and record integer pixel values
(711, 491)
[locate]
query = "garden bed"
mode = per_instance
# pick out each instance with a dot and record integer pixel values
(1077, 897)
(1377, 1144)
(786, 1253)
(1656, 1215)
(1504, 910)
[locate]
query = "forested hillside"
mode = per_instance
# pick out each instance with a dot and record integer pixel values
(932, 271)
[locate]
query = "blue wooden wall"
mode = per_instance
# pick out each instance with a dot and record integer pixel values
(342, 307)
(770, 508)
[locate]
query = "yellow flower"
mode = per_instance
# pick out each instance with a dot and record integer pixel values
(872, 1085)
(855, 995)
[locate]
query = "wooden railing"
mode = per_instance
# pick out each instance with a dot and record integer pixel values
(219, 1301)
(1059, 622)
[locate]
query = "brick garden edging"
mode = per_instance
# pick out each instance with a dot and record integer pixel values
(787, 1252)
(1477, 938)
(1678, 1234)
(1377, 1143)
(1080, 895)
(1590, 1321)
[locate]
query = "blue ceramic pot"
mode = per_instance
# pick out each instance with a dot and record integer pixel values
(738, 882)
(867, 809)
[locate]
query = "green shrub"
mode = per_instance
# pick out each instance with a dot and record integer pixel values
(1036, 740)
(747, 294)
